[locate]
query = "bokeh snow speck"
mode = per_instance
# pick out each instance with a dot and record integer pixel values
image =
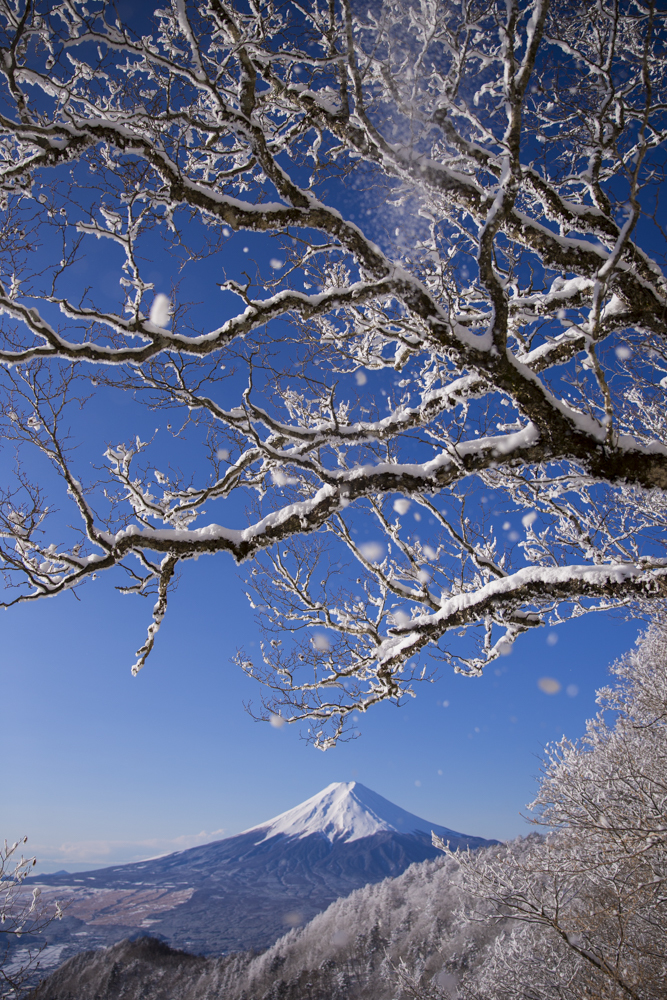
(372, 551)
(160, 313)
(280, 479)
(549, 685)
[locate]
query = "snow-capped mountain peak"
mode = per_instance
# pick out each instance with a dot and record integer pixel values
(345, 811)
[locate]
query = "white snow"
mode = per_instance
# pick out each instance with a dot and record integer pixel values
(344, 811)
(281, 479)
(161, 310)
(372, 551)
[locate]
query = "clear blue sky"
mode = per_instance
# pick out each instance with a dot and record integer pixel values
(102, 768)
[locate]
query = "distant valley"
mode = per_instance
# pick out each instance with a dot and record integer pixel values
(246, 891)
(350, 951)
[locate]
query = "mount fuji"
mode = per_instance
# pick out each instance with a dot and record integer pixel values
(346, 811)
(246, 891)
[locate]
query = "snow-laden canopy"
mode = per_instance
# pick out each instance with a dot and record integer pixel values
(445, 372)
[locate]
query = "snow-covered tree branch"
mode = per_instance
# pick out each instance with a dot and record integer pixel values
(462, 308)
(22, 913)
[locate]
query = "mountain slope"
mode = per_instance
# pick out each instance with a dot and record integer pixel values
(246, 891)
(347, 952)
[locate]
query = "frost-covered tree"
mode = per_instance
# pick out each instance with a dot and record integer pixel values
(22, 914)
(460, 306)
(590, 899)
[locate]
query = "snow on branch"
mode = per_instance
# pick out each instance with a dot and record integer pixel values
(443, 363)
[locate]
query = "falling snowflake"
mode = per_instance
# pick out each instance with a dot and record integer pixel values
(372, 551)
(161, 310)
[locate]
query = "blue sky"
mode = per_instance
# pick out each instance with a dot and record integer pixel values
(102, 768)
(105, 768)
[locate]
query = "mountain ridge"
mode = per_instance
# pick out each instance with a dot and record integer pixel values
(244, 892)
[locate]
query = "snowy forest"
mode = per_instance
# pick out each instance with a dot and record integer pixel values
(423, 409)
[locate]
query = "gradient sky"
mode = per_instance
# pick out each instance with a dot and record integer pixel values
(102, 768)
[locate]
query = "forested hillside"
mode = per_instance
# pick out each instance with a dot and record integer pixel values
(347, 951)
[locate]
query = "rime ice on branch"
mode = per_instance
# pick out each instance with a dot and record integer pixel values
(587, 902)
(23, 914)
(485, 313)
